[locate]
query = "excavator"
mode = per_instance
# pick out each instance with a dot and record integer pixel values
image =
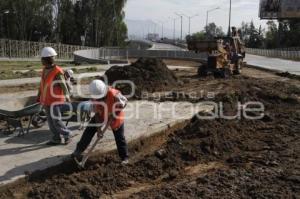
(225, 55)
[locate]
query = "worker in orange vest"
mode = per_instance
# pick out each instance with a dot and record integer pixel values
(53, 93)
(108, 106)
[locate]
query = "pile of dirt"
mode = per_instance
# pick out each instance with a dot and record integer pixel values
(148, 75)
(219, 158)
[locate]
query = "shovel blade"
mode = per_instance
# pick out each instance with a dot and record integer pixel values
(79, 164)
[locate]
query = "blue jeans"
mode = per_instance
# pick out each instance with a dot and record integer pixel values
(90, 132)
(56, 125)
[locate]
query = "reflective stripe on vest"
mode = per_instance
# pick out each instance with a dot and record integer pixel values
(110, 103)
(49, 93)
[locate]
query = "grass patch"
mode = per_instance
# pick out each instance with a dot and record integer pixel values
(11, 75)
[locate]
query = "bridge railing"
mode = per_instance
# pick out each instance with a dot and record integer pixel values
(29, 49)
(277, 53)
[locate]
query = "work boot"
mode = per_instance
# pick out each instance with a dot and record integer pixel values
(125, 162)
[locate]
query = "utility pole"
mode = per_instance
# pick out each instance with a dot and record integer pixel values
(189, 18)
(162, 29)
(208, 11)
(174, 30)
(181, 19)
(229, 32)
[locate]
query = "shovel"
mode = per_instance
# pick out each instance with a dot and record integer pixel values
(86, 156)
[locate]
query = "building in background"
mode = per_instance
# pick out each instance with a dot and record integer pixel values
(279, 9)
(153, 36)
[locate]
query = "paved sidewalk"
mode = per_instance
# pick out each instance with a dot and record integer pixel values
(275, 64)
(29, 153)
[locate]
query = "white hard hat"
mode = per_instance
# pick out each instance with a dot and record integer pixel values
(48, 52)
(70, 72)
(98, 89)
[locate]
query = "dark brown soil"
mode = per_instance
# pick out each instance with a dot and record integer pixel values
(148, 75)
(288, 75)
(217, 158)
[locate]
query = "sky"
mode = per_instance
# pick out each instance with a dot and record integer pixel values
(163, 10)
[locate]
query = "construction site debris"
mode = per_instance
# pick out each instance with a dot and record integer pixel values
(198, 159)
(148, 75)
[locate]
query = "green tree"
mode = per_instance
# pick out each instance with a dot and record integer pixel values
(271, 35)
(26, 20)
(212, 30)
(252, 36)
(66, 21)
(199, 36)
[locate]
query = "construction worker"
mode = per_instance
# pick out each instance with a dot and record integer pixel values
(108, 106)
(53, 94)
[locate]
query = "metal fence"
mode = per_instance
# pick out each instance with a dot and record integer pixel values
(28, 49)
(114, 55)
(278, 53)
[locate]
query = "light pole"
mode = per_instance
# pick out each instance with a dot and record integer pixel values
(229, 32)
(181, 18)
(162, 29)
(174, 28)
(206, 27)
(190, 17)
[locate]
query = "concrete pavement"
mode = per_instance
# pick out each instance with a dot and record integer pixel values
(162, 46)
(280, 65)
(29, 153)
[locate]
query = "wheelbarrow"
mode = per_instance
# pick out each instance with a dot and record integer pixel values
(13, 112)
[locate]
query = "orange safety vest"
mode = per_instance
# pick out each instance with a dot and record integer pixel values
(49, 92)
(110, 103)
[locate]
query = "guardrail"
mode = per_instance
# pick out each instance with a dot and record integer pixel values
(119, 55)
(29, 49)
(285, 54)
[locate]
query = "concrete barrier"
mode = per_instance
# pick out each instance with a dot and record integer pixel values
(119, 55)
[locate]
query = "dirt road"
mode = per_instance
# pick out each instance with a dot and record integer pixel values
(200, 158)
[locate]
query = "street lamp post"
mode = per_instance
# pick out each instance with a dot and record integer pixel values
(208, 11)
(189, 18)
(162, 29)
(174, 28)
(181, 19)
(229, 32)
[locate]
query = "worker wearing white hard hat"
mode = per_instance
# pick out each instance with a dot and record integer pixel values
(108, 106)
(53, 93)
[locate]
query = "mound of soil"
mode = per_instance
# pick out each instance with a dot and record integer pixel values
(218, 158)
(148, 75)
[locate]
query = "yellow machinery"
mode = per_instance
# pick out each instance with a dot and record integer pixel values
(225, 55)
